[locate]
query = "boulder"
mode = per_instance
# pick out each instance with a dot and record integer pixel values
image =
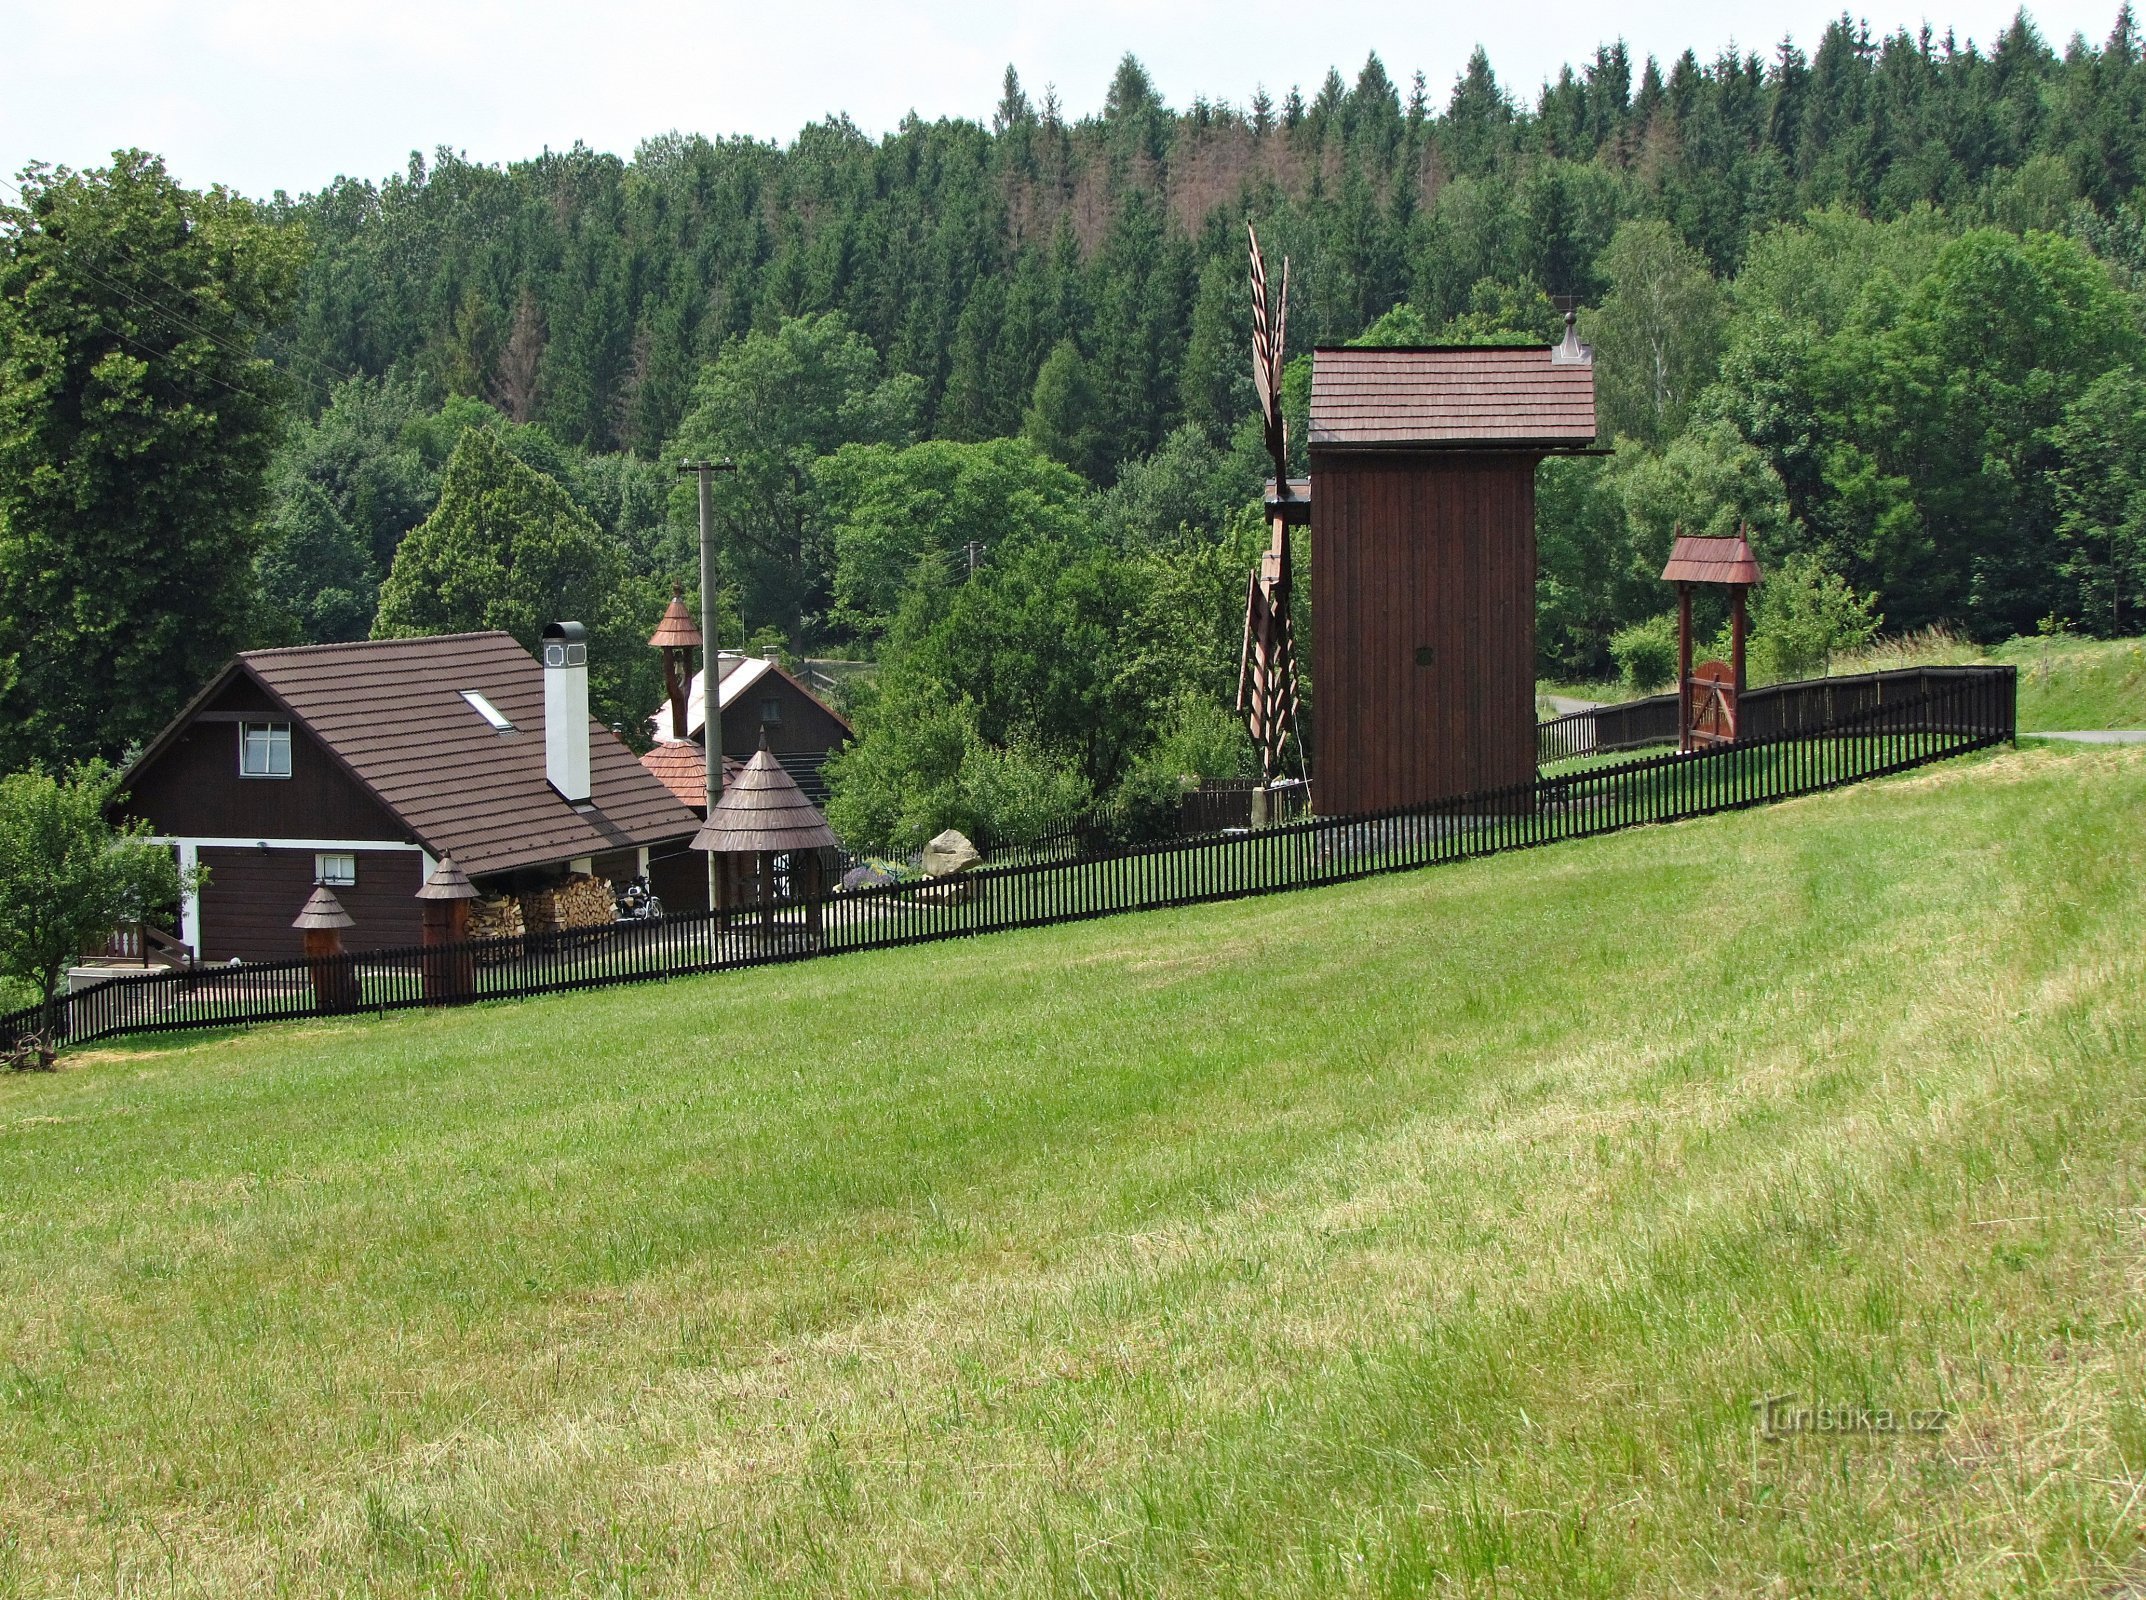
(948, 854)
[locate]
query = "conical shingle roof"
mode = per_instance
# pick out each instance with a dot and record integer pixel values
(448, 882)
(323, 910)
(763, 810)
(677, 629)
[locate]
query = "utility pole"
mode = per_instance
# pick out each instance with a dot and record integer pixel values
(711, 717)
(974, 549)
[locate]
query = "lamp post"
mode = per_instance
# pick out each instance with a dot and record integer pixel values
(711, 698)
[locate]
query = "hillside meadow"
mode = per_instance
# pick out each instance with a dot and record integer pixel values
(1429, 1235)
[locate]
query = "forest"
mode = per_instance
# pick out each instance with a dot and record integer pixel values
(988, 389)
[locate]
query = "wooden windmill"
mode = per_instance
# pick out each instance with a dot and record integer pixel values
(1267, 670)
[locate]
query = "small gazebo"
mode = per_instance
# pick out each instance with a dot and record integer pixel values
(763, 814)
(1708, 696)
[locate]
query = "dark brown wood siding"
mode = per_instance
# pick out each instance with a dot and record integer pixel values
(193, 788)
(802, 740)
(251, 896)
(679, 875)
(1422, 552)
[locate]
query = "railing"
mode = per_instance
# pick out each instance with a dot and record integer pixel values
(1872, 733)
(144, 945)
(1768, 713)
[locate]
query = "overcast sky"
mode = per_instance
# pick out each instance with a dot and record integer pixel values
(269, 94)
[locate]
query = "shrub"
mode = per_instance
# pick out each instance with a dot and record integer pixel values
(1646, 652)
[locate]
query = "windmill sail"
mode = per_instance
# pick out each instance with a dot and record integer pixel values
(1267, 674)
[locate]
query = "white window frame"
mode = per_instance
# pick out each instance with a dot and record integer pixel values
(338, 869)
(277, 737)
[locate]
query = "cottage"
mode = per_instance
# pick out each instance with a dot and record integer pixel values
(759, 695)
(357, 766)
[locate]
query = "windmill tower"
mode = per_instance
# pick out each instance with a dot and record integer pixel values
(1267, 670)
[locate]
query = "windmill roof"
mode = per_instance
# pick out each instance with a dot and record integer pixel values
(1451, 397)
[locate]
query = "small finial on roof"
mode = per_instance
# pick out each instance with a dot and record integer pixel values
(1571, 353)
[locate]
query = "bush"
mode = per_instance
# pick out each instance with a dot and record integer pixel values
(1646, 652)
(1806, 615)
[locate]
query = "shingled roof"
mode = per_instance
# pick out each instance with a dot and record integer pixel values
(1451, 397)
(764, 811)
(391, 712)
(1699, 560)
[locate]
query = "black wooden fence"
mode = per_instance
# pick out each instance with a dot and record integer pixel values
(1768, 713)
(1872, 727)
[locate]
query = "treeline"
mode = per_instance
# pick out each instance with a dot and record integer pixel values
(987, 390)
(586, 292)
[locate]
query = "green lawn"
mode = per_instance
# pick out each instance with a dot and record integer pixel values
(1434, 1234)
(2064, 683)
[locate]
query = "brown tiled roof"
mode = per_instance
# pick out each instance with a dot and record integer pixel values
(1447, 398)
(391, 711)
(764, 811)
(1697, 560)
(681, 766)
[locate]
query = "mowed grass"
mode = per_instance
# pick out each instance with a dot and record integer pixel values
(1430, 1235)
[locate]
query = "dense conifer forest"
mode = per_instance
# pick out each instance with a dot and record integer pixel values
(1875, 299)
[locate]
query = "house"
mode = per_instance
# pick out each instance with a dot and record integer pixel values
(761, 707)
(757, 693)
(359, 765)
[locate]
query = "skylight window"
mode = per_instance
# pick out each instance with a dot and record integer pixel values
(491, 713)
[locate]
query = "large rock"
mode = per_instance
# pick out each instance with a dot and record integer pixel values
(948, 854)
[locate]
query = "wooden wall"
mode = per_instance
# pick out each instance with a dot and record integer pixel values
(194, 788)
(1421, 552)
(251, 896)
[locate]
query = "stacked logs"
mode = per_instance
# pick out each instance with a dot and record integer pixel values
(580, 902)
(497, 917)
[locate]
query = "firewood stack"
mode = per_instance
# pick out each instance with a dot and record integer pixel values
(580, 902)
(499, 917)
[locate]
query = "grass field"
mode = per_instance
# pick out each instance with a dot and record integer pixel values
(2064, 683)
(1434, 1234)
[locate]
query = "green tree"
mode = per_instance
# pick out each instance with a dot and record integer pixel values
(136, 426)
(1804, 616)
(69, 876)
(507, 548)
(1063, 418)
(891, 509)
(775, 404)
(345, 487)
(1657, 335)
(2101, 502)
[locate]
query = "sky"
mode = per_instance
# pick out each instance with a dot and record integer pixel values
(288, 94)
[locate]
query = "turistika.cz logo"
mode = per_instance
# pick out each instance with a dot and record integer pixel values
(1780, 1417)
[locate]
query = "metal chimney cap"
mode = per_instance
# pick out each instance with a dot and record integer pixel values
(566, 644)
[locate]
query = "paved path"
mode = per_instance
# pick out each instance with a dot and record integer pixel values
(1564, 705)
(2095, 735)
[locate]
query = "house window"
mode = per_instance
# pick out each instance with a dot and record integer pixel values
(771, 713)
(264, 749)
(336, 871)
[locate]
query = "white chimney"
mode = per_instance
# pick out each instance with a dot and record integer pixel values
(566, 710)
